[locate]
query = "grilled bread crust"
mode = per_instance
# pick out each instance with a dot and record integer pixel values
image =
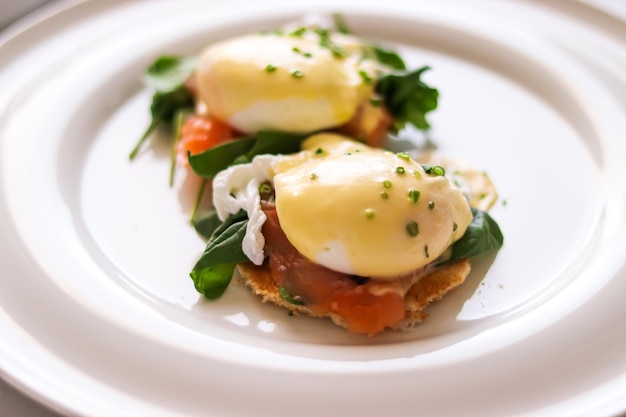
(428, 289)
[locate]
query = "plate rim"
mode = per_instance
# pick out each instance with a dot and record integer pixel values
(69, 4)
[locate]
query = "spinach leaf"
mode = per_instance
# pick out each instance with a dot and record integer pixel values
(214, 270)
(207, 164)
(213, 280)
(240, 216)
(206, 222)
(384, 56)
(408, 98)
(482, 235)
(275, 143)
(167, 73)
(167, 76)
(388, 58)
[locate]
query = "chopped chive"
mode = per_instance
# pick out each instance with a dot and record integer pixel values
(326, 42)
(384, 195)
(265, 188)
(299, 51)
(436, 170)
(369, 213)
(319, 151)
(400, 170)
(282, 291)
(297, 74)
(439, 170)
(298, 32)
(431, 205)
(417, 174)
(313, 176)
(338, 52)
(426, 251)
(387, 184)
(454, 227)
(367, 79)
(404, 155)
(412, 229)
(270, 68)
(414, 195)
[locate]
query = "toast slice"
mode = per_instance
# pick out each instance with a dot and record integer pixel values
(432, 287)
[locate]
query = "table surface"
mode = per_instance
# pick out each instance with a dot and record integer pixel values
(14, 403)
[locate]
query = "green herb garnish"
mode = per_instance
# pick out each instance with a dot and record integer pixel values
(408, 98)
(167, 76)
(436, 170)
(214, 270)
(282, 291)
(412, 229)
(414, 195)
(340, 24)
(482, 235)
(207, 164)
(388, 58)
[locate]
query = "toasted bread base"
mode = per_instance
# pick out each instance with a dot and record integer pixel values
(430, 288)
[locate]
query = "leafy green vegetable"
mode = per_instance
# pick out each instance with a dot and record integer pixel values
(198, 200)
(167, 76)
(389, 58)
(482, 235)
(213, 280)
(275, 143)
(178, 120)
(214, 270)
(207, 164)
(282, 291)
(384, 56)
(168, 73)
(238, 217)
(408, 98)
(206, 222)
(340, 24)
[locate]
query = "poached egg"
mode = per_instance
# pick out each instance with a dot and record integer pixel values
(290, 83)
(354, 209)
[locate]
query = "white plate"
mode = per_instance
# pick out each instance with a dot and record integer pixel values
(98, 316)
